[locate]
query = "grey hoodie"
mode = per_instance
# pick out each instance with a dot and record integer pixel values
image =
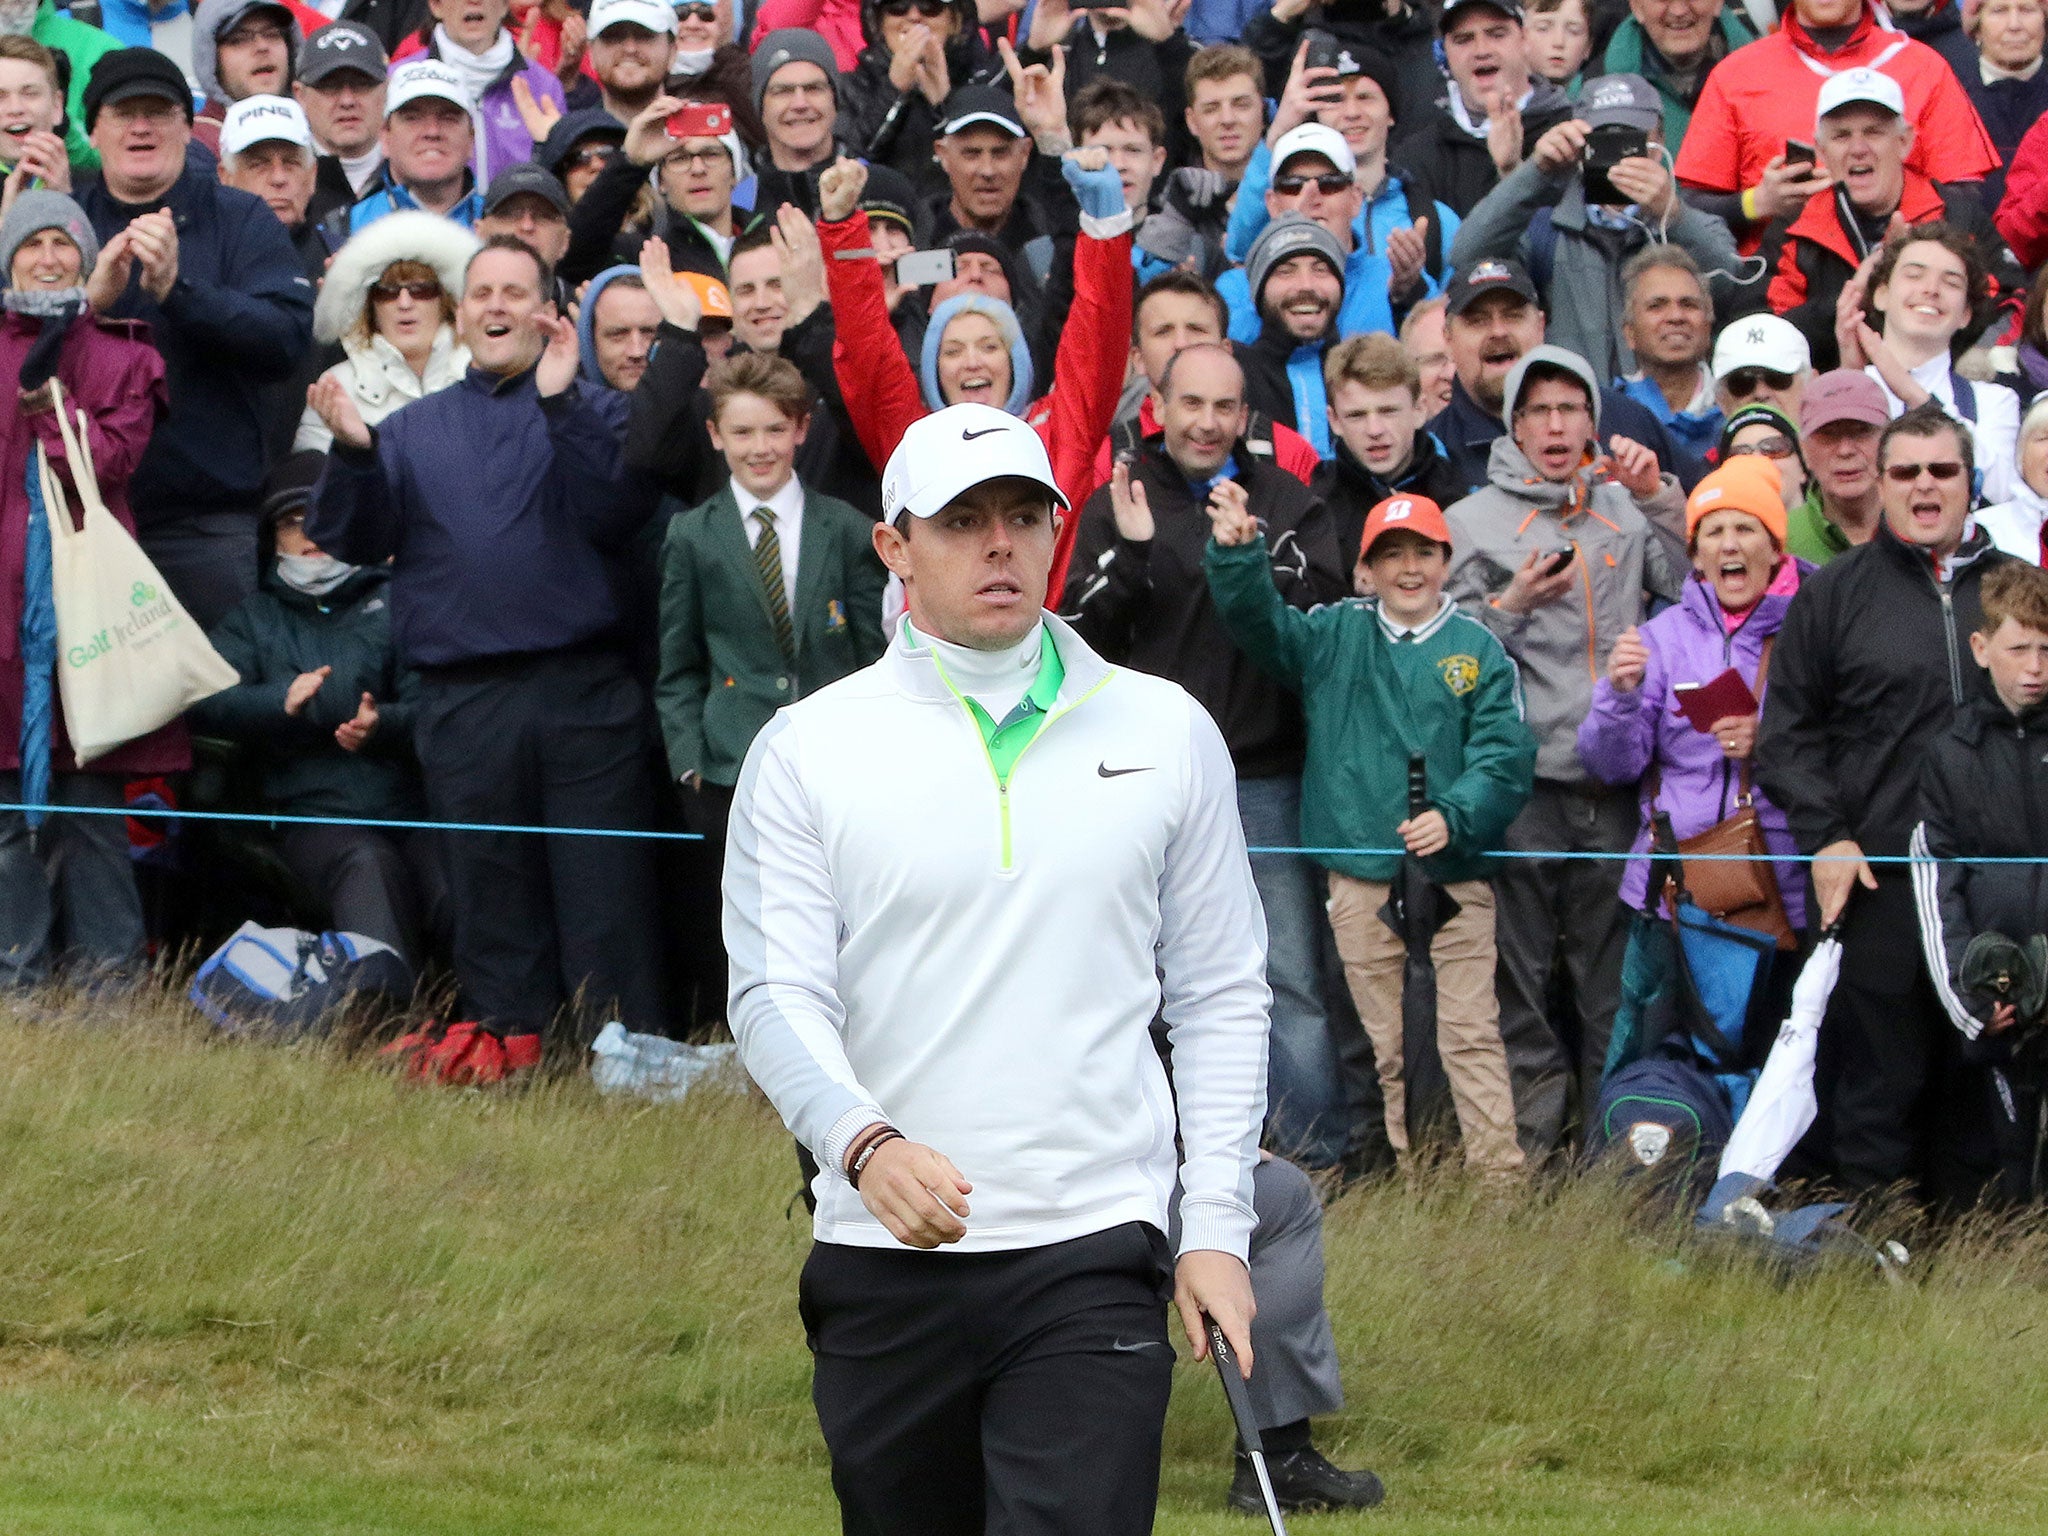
(1631, 558)
(209, 20)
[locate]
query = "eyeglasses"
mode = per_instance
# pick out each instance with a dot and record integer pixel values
(424, 289)
(584, 159)
(1745, 381)
(704, 157)
(1560, 413)
(1769, 447)
(1330, 184)
(1940, 469)
(702, 13)
(931, 9)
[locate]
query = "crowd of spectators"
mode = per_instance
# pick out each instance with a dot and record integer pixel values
(505, 388)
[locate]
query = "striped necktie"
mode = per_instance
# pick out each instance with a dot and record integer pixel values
(768, 557)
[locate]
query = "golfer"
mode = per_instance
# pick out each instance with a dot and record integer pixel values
(959, 886)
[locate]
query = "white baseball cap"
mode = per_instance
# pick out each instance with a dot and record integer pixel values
(1871, 85)
(1761, 341)
(254, 119)
(655, 15)
(952, 451)
(1314, 139)
(419, 79)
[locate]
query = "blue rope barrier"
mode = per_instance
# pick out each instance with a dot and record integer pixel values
(271, 818)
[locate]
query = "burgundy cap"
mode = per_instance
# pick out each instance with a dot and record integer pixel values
(1845, 394)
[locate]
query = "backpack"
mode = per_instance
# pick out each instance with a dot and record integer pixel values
(286, 982)
(1663, 1115)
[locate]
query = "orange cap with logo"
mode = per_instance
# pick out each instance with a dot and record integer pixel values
(1404, 514)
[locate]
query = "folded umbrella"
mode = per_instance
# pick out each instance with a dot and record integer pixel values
(1782, 1104)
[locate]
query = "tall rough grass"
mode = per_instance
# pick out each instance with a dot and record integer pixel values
(256, 1290)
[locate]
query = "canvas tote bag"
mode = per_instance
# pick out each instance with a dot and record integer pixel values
(129, 658)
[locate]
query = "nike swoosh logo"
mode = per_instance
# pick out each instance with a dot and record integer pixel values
(968, 437)
(1108, 772)
(1131, 1349)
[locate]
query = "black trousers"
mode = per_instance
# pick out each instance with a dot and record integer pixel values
(383, 884)
(1898, 1099)
(1017, 1394)
(554, 740)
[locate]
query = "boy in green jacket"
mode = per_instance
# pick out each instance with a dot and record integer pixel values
(1399, 672)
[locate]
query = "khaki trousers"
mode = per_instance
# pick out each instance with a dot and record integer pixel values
(1467, 1013)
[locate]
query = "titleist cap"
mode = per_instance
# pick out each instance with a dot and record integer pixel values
(949, 452)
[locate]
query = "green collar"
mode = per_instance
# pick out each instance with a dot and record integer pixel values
(1007, 740)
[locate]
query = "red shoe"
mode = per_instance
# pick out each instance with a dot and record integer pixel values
(481, 1061)
(406, 1050)
(522, 1052)
(446, 1055)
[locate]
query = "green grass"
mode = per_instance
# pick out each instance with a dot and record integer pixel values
(260, 1291)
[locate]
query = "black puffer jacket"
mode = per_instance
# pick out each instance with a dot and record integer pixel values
(896, 128)
(1350, 490)
(271, 638)
(1870, 669)
(1146, 603)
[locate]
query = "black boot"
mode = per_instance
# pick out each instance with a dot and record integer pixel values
(1303, 1481)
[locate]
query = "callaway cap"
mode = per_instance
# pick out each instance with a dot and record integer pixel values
(1314, 139)
(1486, 277)
(973, 104)
(1628, 100)
(1761, 341)
(1871, 85)
(656, 16)
(1404, 514)
(1509, 8)
(254, 119)
(521, 177)
(950, 452)
(424, 79)
(127, 73)
(1846, 394)
(343, 45)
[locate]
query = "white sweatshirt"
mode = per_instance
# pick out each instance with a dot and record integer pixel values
(981, 967)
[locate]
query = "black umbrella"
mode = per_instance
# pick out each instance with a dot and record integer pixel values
(1416, 908)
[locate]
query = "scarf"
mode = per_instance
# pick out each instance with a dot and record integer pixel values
(42, 303)
(692, 61)
(479, 71)
(313, 575)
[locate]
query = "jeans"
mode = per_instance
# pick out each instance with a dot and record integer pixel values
(1306, 1112)
(67, 890)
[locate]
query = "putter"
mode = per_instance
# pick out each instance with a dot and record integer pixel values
(1241, 1411)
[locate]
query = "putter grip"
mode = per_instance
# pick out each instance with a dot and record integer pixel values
(1234, 1388)
(1418, 784)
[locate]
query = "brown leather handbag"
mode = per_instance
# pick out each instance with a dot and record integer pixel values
(1741, 886)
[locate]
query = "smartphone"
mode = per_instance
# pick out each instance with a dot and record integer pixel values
(1558, 559)
(1324, 51)
(1605, 147)
(700, 120)
(1798, 153)
(919, 269)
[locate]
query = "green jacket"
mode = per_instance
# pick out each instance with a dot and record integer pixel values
(1628, 54)
(722, 673)
(1450, 694)
(1811, 534)
(85, 45)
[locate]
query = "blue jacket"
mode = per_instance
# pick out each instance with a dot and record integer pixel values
(238, 319)
(1384, 213)
(390, 197)
(504, 515)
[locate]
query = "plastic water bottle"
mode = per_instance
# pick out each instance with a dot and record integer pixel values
(653, 1067)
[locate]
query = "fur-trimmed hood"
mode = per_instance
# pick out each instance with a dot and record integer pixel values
(409, 235)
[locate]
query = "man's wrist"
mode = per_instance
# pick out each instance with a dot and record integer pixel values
(864, 1147)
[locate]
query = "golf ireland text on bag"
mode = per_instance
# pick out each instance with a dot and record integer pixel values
(129, 658)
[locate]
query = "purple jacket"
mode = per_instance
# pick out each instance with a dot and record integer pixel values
(502, 138)
(1625, 733)
(108, 369)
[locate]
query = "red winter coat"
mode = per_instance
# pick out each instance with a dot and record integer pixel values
(2022, 217)
(1766, 92)
(109, 370)
(837, 21)
(883, 397)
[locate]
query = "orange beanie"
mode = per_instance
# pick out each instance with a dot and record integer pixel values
(1746, 483)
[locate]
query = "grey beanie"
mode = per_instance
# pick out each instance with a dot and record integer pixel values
(791, 45)
(1556, 357)
(1290, 235)
(39, 210)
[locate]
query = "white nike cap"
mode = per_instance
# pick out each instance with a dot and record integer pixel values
(952, 451)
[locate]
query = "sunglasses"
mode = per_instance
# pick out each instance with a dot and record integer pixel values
(927, 8)
(424, 290)
(1769, 447)
(1906, 474)
(1745, 381)
(594, 156)
(701, 13)
(1331, 184)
